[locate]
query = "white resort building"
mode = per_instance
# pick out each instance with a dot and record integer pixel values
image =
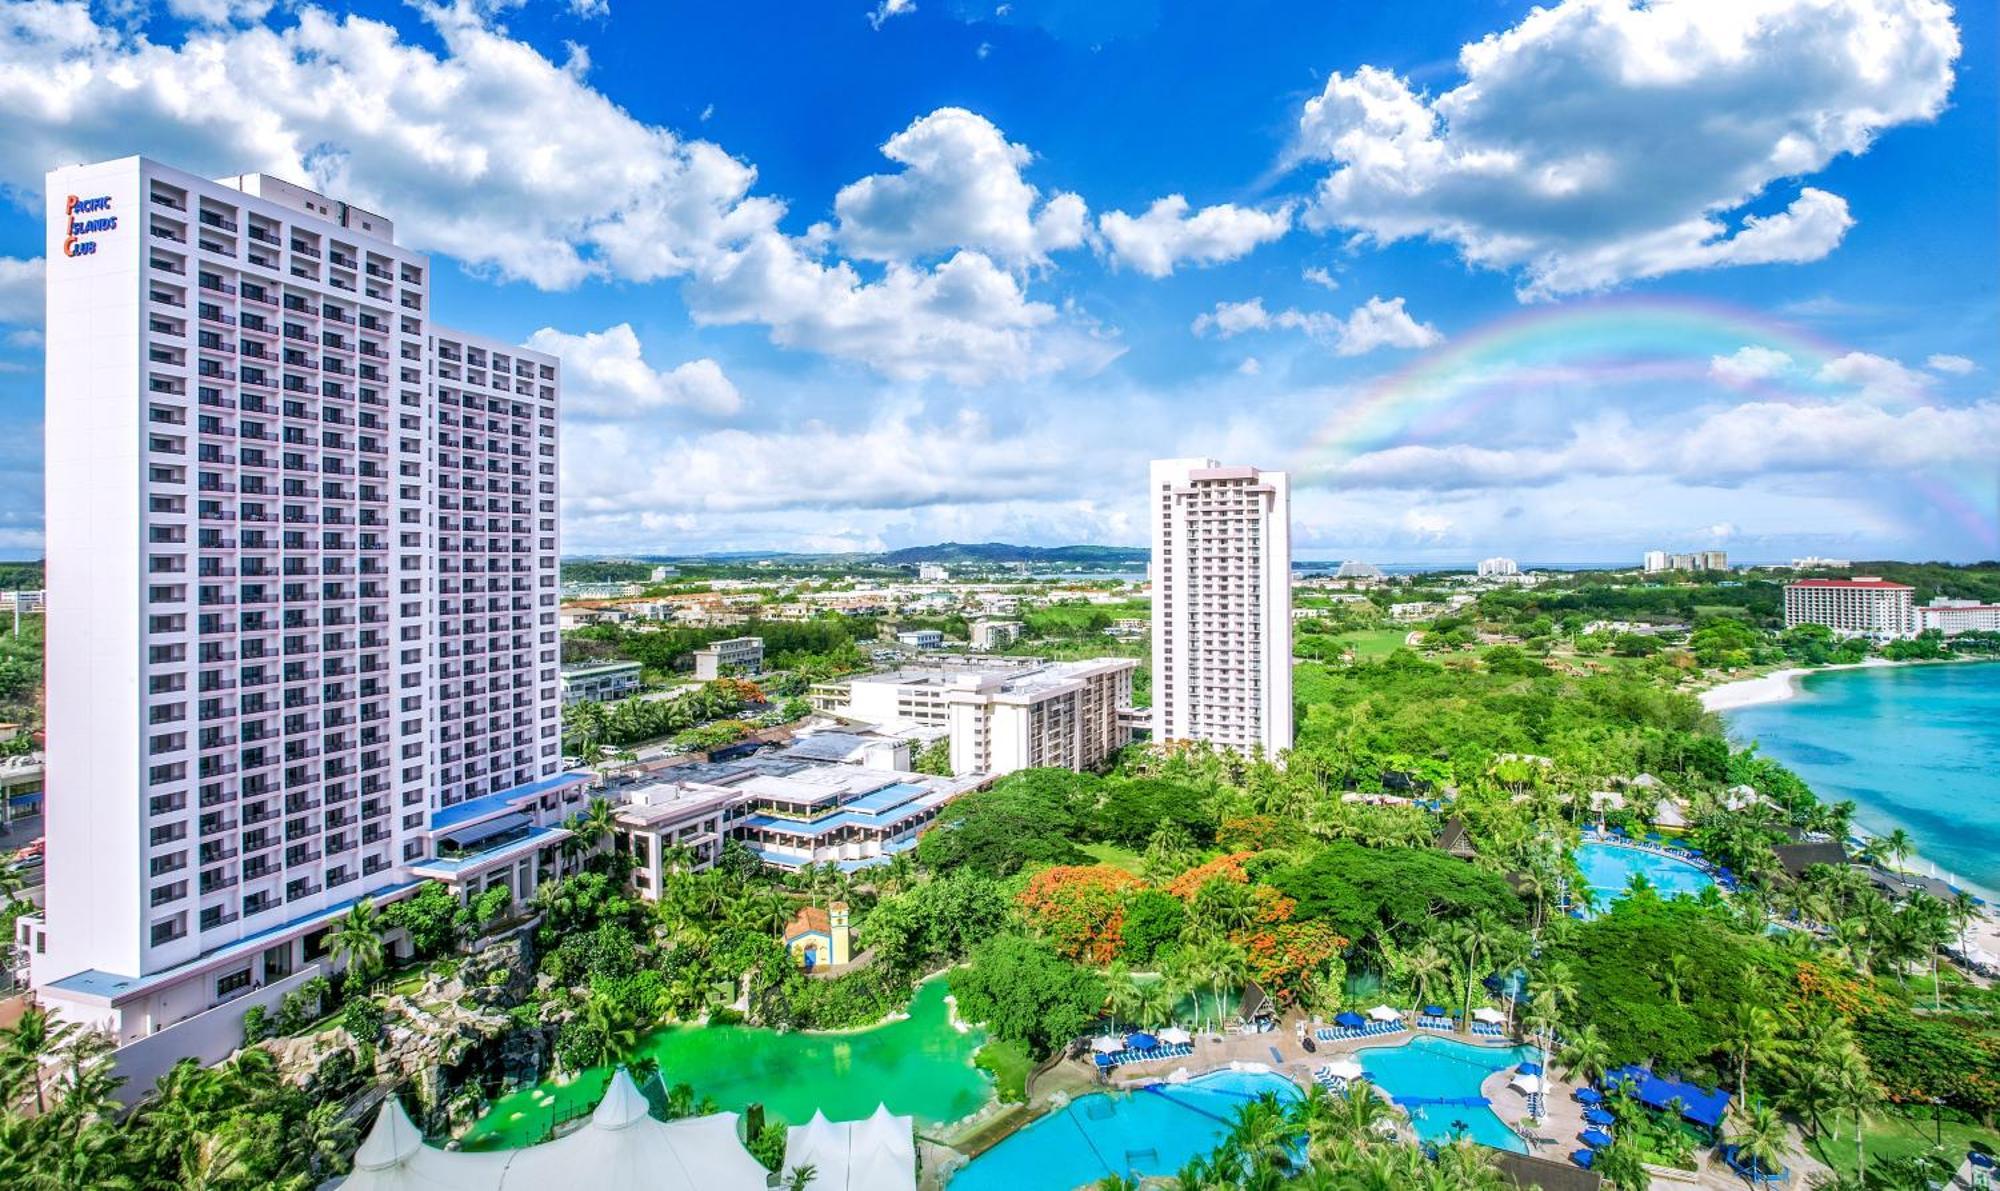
(1865, 606)
(1222, 604)
(302, 542)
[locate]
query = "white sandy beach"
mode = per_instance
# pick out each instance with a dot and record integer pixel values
(1775, 687)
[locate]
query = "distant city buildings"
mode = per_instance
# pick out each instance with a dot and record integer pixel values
(1222, 604)
(1697, 560)
(663, 573)
(932, 572)
(1815, 563)
(921, 639)
(1355, 569)
(736, 655)
(1865, 606)
(1492, 567)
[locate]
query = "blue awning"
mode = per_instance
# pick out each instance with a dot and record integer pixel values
(1434, 1011)
(1529, 1069)
(1141, 1041)
(1350, 1020)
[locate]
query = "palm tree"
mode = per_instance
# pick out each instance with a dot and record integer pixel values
(1121, 993)
(1679, 970)
(1752, 1037)
(800, 1177)
(34, 1037)
(594, 825)
(1761, 1137)
(1473, 940)
(357, 940)
(1894, 847)
(1424, 967)
(1155, 1004)
(1587, 1055)
(614, 1025)
(1856, 1091)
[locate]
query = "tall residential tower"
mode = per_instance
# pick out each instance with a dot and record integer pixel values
(1222, 604)
(304, 542)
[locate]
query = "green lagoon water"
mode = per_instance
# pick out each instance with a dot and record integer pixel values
(1916, 747)
(920, 1065)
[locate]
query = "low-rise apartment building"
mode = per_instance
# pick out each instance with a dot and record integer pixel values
(995, 634)
(599, 682)
(736, 655)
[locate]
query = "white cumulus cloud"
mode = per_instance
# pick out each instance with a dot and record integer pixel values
(20, 290)
(1951, 365)
(1376, 323)
(1751, 363)
(888, 9)
(1601, 141)
(1873, 376)
(961, 187)
(1168, 235)
(605, 374)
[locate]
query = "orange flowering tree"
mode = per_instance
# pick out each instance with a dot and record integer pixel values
(1080, 909)
(1286, 957)
(1223, 868)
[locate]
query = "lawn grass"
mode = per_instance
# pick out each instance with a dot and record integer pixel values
(1372, 644)
(1115, 856)
(1899, 1136)
(1010, 1063)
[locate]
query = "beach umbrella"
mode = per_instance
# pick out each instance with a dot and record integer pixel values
(1529, 1068)
(1141, 1041)
(1595, 1138)
(1584, 1158)
(1589, 1096)
(1434, 1011)
(1175, 1036)
(1384, 1013)
(1598, 1116)
(1106, 1061)
(1350, 1020)
(1344, 1069)
(1491, 1017)
(1528, 1085)
(1104, 1044)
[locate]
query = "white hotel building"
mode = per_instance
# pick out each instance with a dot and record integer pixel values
(1864, 606)
(1222, 604)
(302, 545)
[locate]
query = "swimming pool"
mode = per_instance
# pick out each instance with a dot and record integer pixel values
(1153, 1131)
(1609, 868)
(1436, 1080)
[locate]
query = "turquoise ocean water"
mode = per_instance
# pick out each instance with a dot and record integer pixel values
(1916, 747)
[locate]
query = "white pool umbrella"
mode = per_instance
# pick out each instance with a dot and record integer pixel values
(1491, 1017)
(1175, 1036)
(1344, 1069)
(1104, 1044)
(1527, 1085)
(1384, 1013)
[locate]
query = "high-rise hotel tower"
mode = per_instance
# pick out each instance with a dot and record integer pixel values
(1222, 604)
(304, 546)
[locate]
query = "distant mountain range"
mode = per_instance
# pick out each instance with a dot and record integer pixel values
(962, 553)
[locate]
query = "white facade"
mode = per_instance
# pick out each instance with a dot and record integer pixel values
(1498, 566)
(1864, 606)
(303, 543)
(1001, 718)
(995, 634)
(1655, 560)
(745, 654)
(932, 572)
(1952, 617)
(1222, 604)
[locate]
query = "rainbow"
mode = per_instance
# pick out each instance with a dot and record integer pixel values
(1539, 351)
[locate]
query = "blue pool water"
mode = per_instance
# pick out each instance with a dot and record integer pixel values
(1432, 1068)
(1149, 1132)
(1912, 746)
(1609, 868)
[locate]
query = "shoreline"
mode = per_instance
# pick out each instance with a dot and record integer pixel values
(1781, 685)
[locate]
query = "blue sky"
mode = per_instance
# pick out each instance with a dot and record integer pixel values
(1561, 284)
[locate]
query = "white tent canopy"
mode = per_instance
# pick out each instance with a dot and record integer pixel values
(880, 1152)
(1175, 1036)
(1527, 1085)
(1384, 1013)
(1490, 1017)
(1344, 1069)
(622, 1147)
(1104, 1044)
